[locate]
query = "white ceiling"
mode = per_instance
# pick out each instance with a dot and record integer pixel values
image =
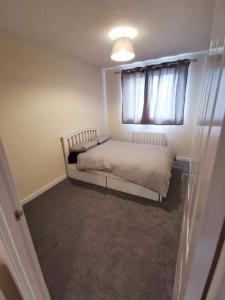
(80, 27)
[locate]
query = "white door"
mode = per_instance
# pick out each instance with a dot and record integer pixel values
(205, 208)
(16, 240)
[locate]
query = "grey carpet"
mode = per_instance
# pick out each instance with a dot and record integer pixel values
(93, 243)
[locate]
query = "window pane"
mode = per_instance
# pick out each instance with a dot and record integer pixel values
(133, 97)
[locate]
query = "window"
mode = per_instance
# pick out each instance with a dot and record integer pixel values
(155, 94)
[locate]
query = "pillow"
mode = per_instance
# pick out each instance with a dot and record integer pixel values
(83, 147)
(103, 138)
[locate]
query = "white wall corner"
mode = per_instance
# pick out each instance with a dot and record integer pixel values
(104, 96)
(43, 189)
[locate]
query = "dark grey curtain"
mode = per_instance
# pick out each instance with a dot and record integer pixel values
(155, 94)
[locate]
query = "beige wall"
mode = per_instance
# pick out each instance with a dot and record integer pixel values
(43, 96)
(180, 137)
(8, 288)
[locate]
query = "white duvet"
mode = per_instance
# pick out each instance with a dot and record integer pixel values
(143, 164)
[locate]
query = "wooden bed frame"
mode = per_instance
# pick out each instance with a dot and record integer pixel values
(105, 179)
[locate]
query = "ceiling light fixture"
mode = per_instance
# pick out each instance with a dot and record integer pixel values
(123, 31)
(123, 48)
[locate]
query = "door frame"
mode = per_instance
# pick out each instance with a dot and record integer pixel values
(205, 208)
(207, 231)
(15, 239)
(215, 286)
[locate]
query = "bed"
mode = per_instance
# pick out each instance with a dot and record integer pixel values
(142, 170)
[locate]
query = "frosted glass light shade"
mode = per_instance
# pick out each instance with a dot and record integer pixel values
(122, 50)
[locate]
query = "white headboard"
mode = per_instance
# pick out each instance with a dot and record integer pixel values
(78, 137)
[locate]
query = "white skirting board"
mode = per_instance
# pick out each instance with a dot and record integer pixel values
(44, 189)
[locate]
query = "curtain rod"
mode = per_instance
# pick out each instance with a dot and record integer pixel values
(119, 72)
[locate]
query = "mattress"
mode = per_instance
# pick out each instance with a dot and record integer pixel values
(142, 164)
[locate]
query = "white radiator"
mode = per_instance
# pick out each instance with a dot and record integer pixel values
(153, 138)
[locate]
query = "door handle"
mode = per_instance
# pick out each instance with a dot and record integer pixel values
(18, 214)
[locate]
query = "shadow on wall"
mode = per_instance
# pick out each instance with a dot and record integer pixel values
(8, 289)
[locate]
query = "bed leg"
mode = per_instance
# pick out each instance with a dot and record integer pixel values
(160, 198)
